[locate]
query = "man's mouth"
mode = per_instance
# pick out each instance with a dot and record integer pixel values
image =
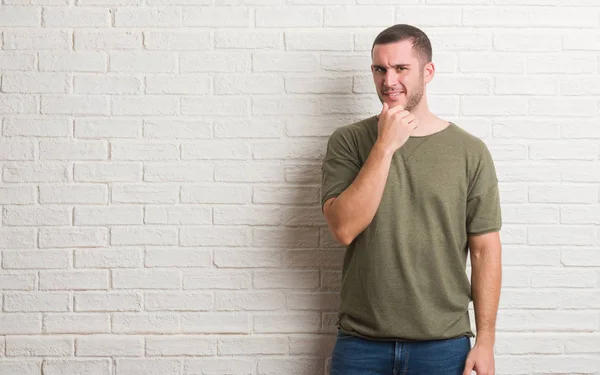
(393, 94)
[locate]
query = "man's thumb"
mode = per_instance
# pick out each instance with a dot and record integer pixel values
(384, 109)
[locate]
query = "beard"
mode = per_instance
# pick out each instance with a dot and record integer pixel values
(414, 97)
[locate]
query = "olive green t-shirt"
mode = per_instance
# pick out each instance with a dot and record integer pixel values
(404, 277)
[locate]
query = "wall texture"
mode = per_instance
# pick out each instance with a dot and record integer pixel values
(161, 163)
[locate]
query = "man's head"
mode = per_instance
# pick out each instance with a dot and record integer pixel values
(401, 65)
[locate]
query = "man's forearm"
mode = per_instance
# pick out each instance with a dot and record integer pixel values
(354, 209)
(486, 280)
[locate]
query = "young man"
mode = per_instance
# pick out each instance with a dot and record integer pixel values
(410, 194)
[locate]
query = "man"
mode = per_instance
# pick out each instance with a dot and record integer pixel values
(410, 195)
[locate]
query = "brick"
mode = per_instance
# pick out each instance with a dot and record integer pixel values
(302, 173)
(289, 365)
(180, 84)
(25, 346)
(73, 237)
(525, 345)
(321, 126)
(218, 62)
(249, 172)
(20, 366)
(107, 128)
(529, 129)
(178, 40)
(81, 61)
(181, 346)
(252, 84)
(515, 256)
(74, 105)
(486, 106)
(429, 16)
(14, 127)
(144, 235)
(73, 150)
(31, 39)
(251, 215)
(580, 173)
(577, 86)
(218, 366)
(518, 172)
(178, 301)
(81, 193)
(17, 281)
(216, 149)
(293, 323)
(113, 84)
(242, 258)
(557, 278)
(75, 17)
(248, 39)
(313, 301)
(112, 215)
(144, 323)
(76, 367)
(283, 195)
(109, 345)
(178, 257)
(189, 129)
(579, 215)
(215, 236)
(148, 367)
(574, 63)
(563, 151)
(286, 106)
(144, 105)
(125, 150)
(563, 194)
(107, 301)
(556, 235)
(148, 17)
(20, 324)
(76, 323)
(530, 42)
(358, 16)
(178, 215)
(289, 16)
(104, 40)
(17, 238)
(575, 257)
(17, 150)
(318, 85)
(256, 127)
(579, 40)
(513, 299)
(254, 345)
(23, 61)
(529, 214)
(216, 193)
(191, 172)
(142, 62)
(529, 17)
(108, 258)
(215, 322)
(314, 258)
(18, 104)
(504, 63)
(311, 344)
(582, 344)
(36, 259)
(546, 321)
(36, 302)
(290, 237)
(256, 301)
(41, 83)
(144, 194)
(146, 279)
(210, 106)
(290, 150)
(568, 107)
(284, 62)
(216, 279)
(17, 16)
(221, 17)
(508, 151)
(288, 279)
(73, 280)
(318, 41)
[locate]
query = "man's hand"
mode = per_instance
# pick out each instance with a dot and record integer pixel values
(394, 127)
(480, 360)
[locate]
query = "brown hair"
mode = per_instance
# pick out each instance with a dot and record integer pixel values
(400, 32)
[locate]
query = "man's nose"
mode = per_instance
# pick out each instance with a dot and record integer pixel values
(390, 78)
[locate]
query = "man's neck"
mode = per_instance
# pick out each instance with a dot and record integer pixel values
(428, 123)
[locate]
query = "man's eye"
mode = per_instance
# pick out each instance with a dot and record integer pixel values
(380, 70)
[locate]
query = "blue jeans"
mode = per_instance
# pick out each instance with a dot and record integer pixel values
(356, 356)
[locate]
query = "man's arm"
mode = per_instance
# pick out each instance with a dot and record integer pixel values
(353, 210)
(486, 280)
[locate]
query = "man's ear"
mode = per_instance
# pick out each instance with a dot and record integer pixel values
(428, 72)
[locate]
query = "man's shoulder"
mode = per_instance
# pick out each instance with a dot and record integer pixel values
(467, 140)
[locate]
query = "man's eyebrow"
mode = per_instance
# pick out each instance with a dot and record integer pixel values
(396, 66)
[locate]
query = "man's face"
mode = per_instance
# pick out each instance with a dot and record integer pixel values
(398, 74)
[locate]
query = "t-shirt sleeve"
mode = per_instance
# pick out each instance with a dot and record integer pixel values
(483, 200)
(340, 166)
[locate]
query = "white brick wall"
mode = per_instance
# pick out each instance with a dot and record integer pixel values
(160, 169)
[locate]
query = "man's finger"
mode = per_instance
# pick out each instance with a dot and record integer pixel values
(384, 109)
(468, 368)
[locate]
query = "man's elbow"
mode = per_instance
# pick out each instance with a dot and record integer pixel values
(342, 236)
